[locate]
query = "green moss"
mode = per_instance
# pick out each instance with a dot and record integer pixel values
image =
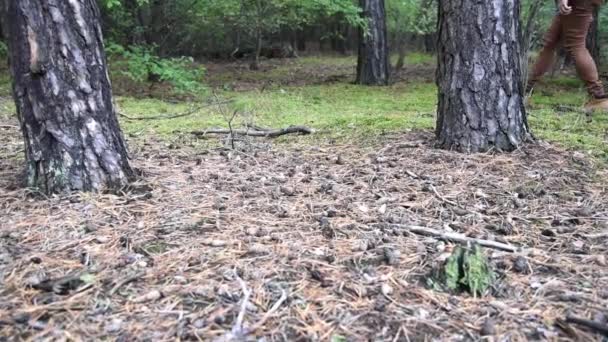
(477, 273)
(466, 270)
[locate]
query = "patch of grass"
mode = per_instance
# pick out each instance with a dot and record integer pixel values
(351, 112)
(419, 58)
(555, 116)
(337, 109)
(333, 60)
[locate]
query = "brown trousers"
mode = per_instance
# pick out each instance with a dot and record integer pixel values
(571, 30)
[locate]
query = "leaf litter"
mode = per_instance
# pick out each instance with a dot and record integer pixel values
(295, 242)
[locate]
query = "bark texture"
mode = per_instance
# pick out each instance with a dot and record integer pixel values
(593, 41)
(63, 96)
(373, 62)
(478, 76)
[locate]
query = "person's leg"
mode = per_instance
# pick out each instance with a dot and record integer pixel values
(546, 57)
(574, 29)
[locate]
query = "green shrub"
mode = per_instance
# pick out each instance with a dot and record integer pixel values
(141, 64)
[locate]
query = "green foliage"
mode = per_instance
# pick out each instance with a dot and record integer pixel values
(208, 27)
(338, 338)
(477, 273)
(411, 16)
(116, 4)
(3, 50)
(453, 269)
(141, 65)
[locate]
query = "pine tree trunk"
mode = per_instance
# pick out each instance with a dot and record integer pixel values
(593, 43)
(63, 97)
(400, 42)
(373, 62)
(526, 38)
(480, 94)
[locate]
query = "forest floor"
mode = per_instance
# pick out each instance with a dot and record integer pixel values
(306, 238)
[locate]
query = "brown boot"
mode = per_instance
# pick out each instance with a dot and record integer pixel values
(597, 104)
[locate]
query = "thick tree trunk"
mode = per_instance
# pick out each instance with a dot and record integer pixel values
(480, 93)
(63, 97)
(373, 62)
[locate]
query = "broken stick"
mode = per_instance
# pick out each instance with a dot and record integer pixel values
(271, 133)
(457, 237)
(593, 325)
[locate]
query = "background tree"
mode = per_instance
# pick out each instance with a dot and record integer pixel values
(480, 93)
(63, 97)
(411, 23)
(593, 38)
(529, 24)
(373, 62)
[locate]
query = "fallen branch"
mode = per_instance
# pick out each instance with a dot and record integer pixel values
(238, 326)
(272, 133)
(593, 325)
(239, 332)
(9, 126)
(268, 314)
(174, 116)
(457, 237)
(125, 281)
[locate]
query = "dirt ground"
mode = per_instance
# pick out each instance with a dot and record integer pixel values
(293, 242)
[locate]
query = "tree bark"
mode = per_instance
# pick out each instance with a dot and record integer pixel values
(400, 42)
(593, 43)
(63, 97)
(373, 62)
(526, 38)
(480, 93)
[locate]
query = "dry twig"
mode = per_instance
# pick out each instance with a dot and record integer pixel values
(272, 133)
(457, 237)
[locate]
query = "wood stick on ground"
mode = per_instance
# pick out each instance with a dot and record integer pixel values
(593, 325)
(125, 281)
(268, 314)
(273, 133)
(457, 237)
(238, 326)
(9, 126)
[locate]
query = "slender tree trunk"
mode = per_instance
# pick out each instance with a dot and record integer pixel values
(255, 65)
(593, 43)
(430, 43)
(480, 92)
(63, 97)
(373, 63)
(526, 38)
(3, 18)
(400, 42)
(301, 36)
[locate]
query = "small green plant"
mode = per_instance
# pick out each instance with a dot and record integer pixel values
(141, 64)
(465, 270)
